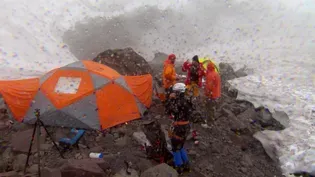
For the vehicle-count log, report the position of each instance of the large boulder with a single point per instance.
(249, 114)
(266, 120)
(269, 144)
(123, 173)
(82, 168)
(33, 169)
(282, 117)
(6, 159)
(227, 72)
(21, 140)
(158, 59)
(162, 170)
(10, 174)
(19, 162)
(125, 61)
(49, 172)
(241, 72)
(143, 164)
(157, 63)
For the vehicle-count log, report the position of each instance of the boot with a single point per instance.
(179, 170)
(186, 167)
(184, 156)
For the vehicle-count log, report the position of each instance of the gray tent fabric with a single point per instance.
(141, 107)
(45, 77)
(40, 102)
(99, 81)
(76, 65)
(123, 83)
(85, 111)
(60, 119)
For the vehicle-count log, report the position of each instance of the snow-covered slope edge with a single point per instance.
(295, 145)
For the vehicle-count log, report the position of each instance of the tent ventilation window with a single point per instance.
(68, 85)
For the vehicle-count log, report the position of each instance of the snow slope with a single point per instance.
(275, 38)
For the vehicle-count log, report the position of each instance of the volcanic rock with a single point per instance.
(162, 170)
(19, 162)
(21, 140)
(82, 168)
(125, 61)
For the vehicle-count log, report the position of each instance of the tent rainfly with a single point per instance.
(83, 94)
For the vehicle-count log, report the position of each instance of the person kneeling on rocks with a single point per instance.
(181, 109)
(212, 91)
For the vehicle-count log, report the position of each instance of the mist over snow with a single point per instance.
(275, 38)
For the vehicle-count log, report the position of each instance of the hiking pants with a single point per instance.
(178, 139)
(179, 135)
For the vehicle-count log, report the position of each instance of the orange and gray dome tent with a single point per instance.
(83, 94)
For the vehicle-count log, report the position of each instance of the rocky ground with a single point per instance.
(227, 148)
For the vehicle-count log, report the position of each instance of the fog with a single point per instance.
(275, 38)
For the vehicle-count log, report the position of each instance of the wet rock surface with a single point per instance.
(19, 162)
(21, 140)
(48, 172)
(227, 148)
(82, 168)
(162, 170)
(125, 61)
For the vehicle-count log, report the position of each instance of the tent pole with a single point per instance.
(30, 148)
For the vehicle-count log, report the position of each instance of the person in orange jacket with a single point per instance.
(212, 90)
(195, 72)
(169, 77)
(169, 73)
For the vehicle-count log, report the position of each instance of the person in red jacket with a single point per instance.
(195, 72)
(212, 90)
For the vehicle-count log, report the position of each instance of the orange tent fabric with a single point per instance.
(115, 105)
(83, 94)
(101, 69)
(142, 87)
(18, 95)
(61, 100)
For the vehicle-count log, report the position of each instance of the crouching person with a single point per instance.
(181, 110)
